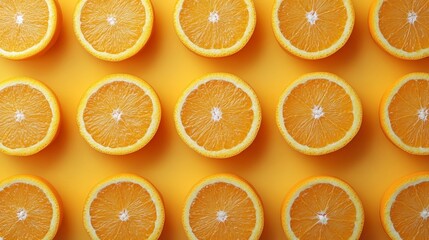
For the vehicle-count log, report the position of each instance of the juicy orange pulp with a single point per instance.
(116, 32)
(26, 212)
(233, 213)
(236, 116)
(306, 124)
(319, 203)
(127, 98)
(214, 24)
(409, 211)
(26, 120)
(404, 24)
(312, 25)
(131, 206)
(408, 113)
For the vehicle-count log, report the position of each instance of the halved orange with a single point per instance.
(319, 113)
(405, 207)
(30, 209)
(223, 206)
(119, 114)
(404, 113)
(113, 30)
(215, 28)
(322, 208)
(29, 116)
(401, 27)
(27, 27)
(124, 206)
(218, 115)
(313, 29)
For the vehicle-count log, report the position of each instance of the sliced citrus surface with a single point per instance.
(401, 27)
(218, 115)
(322, 208)
(312, 29)
(29, 209)
(29, 116)
(124, 206)
(225, 207)
(215, 28)
(405, 208)
(27, 27)
(113, 30)
(119, 114)
(404, 113)
(319, 113)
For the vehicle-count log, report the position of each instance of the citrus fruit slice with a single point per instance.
(225, 207)
(218, 115)
(29, 116)
(322, 208)
(113, 30)
(319, 113)
(312, 29)
(215, 28)
(27, 27)
(124, 206)
(404, 113)
(404, 208)
(29, 207)
(119, 114)
(401, 27)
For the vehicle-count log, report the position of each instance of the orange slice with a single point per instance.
(312, 29)
(404, 208)
(215, 28)
(29, 116)
(401, 27)
(404, 113)
(218, 115)
(124, 206)
(319, 113)
(29, 207)
(225, 207)
(322, 208)
(119, 114)
(113, 30)
(27, 27)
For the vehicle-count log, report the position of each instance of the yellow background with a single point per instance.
(369, 163)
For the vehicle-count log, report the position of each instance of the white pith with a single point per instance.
(214, 17)
(117, 115)
(317, 112)
(312, 17)
(22, 214)
(412, 17)
(221, 216)
(19, 18)
(19, 116)
(216, 114)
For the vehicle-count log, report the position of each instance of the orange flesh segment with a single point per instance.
(236, 119)
(408, 113)
(302, 105)
(118, 100)
(233, 201)
(323, 200)
(214, 24)
(25, 116)
(406, 211)
(112, 26)
(326, 30)
(394, 22)
(33, 16)
(123, 210)
(30, 204)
